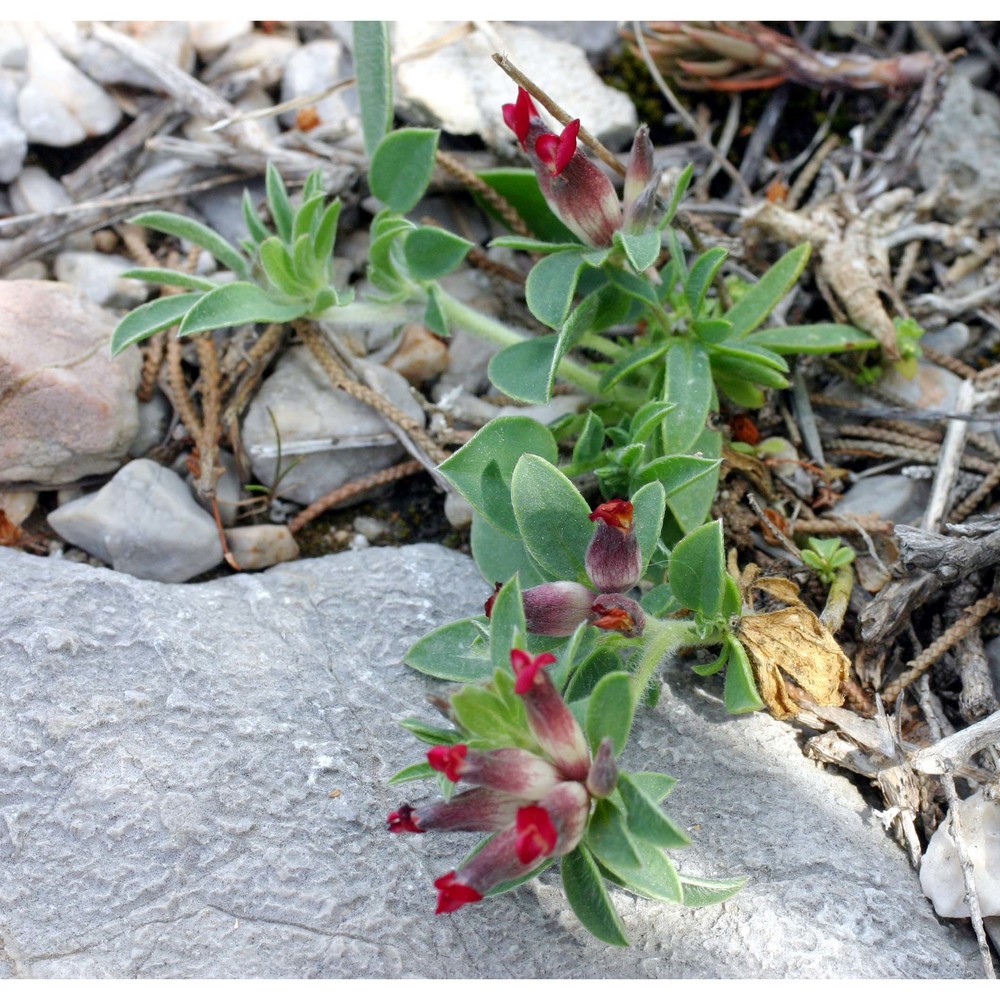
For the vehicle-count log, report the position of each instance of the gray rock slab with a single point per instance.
(194, 785)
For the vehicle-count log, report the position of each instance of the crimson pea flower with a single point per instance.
(613, 559)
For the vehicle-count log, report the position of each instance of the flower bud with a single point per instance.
(556, 608)
(618, 614)
(478, 810)
(603, 771)
(553, 725)
(613, 559)
(641, 184)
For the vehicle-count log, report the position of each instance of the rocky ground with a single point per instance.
(196, 770)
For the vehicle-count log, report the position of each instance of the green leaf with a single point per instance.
(530, 245)
(610, 711)
(278, 266)
(495, 719)
(414, 772)
(646, 820)
(740, 692)
(499, 556)
(648, 507)
(523, 371)
(708, 669)
(145, 320)
(434, 317)
(750, 371)
(601, 662)
(712, 331)
(481, 470)
(817, 338)
(657, 877)
(278, 203)
(648, 418)
(700, 278)
(642, 249)
(688, 385)
(373, 69)
(680, 189)
(590, 441)
(519, 187)
(700, 891)
(632, 362)
(653, 784)
(431, 734)
(507, 625)
(402, 166)
(257, 230)
(306, 216)
(326, 232)
(187, 229)
(756, 304)
(660, 601)
(164, 276)
(741, 392)
(675, 472)
(551, 284)
(635, 286)
(457, 652)
(432, 252)
(697, 569)
(589, 898)
(608, 837)
(552, 518)
(732, 601)
(692, 502)
(235, 304)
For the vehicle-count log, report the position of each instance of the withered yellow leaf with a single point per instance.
(793, 640)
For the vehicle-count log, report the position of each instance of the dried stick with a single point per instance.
(948, 462)
(948, 782)
(506, 210)
(973, 615)
(685, 115)
(400, 471)
(953, 751)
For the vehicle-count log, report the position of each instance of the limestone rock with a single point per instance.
(13, 140)
(99, 277)
(144, 522)
(257, 546)
(59, 105)
(311, 69)
(337, 438)
(69, 407)
(168, 39)
(460, 90)
(195, 785)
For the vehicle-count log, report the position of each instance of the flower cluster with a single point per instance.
(536, 804)
(577, 190)
(614, 565)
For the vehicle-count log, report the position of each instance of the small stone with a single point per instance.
(13, 47)
(154, 417)
(144, 522)
(168, 39)
(211, 37)
(36, 191)
(458, 511)
(222, 208)
(371, 527)
(940, 870)
(70, 409)
(976, 69)
(419, 356)
(59, 105)
(311, 69)
(257, 546)
(327, 437)
(18, 504)
(30, 270)
(13, 139)
(899, 499)
(265, 53)
(952, 339)
(98, 276)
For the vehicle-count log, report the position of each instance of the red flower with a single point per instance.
(618, 614)
(402, 820)
(449, 760)
(536, 834)
(556, 608)
(613, 559)
(453, 895)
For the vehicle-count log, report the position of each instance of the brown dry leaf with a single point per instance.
(794, 640)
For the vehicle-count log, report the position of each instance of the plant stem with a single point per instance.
(662, 638)
(595, 342)
(495, 332)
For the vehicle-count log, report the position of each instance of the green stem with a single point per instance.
(595, 342)
(495, 332)
(662, 638)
